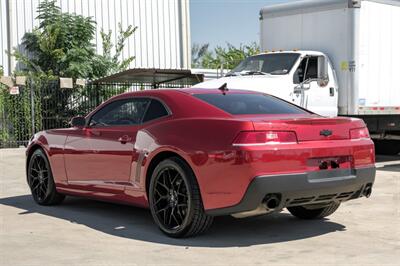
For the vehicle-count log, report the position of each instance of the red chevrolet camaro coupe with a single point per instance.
(192, 154)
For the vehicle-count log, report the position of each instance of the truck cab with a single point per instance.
(305, 78)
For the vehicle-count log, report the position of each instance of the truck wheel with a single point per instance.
(40, 180)
(175, 200)
(303, 212)
(387, 147)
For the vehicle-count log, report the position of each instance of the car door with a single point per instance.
(319, 98)
(102, 152)
(156, 112)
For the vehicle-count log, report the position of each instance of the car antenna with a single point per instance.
(224, 88)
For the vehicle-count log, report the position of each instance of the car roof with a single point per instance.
(190, 91)
(178, 100)
(216, 91)
(181, 101)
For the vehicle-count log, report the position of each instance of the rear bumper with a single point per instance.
(303, 188)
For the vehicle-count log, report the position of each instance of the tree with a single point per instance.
(62, 46)
(107, 63)
(198, 53)
(228, 57)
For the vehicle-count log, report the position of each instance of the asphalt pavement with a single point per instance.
(87, 232)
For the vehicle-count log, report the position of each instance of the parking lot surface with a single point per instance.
(86, 232)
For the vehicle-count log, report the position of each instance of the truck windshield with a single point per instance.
(264, 64)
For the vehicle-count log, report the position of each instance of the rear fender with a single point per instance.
(200, 142)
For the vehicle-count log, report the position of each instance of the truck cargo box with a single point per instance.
(361, 38)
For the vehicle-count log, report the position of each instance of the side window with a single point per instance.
(312, 68)
(120, 112)
(298, 76)
(155, 110)
(308, 69)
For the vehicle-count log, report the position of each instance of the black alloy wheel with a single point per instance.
(175, 201)
(171, 198)
(40, 180)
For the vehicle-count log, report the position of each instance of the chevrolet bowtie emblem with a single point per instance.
(325, 132)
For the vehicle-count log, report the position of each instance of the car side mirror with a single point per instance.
(78, 121)
(323, 77)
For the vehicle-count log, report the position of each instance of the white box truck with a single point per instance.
(333, 57)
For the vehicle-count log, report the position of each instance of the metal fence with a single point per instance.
(44, 105)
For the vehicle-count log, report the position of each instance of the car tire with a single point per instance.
(40, 180)
(303, 212)
(175, 200)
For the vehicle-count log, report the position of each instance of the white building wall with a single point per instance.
(3, 36)
(162, 39)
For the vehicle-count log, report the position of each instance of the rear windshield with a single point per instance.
(243, 104)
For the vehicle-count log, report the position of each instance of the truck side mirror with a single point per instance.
(78, 121)
(297, 89)
(323, 77)
(305, 85)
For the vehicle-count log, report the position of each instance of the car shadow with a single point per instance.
(135, 223)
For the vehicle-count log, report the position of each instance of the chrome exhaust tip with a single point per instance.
(271, 201)
(367, 190)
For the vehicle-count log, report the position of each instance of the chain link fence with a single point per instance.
(44, 105)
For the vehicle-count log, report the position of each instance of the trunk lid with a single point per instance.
(310, 128)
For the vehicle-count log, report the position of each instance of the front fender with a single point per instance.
(52, 143)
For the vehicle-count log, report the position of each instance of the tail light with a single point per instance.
(359, 133)
(254, 138)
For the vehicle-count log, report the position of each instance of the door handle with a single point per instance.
(331, 91)
(124, 139)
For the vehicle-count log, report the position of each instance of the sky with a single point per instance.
(220, 21)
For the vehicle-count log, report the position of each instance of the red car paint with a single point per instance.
(92, 162)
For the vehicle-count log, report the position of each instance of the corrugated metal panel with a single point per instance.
(379, 55)
(3, 40)
(3, 33)
(302, 7)
(161, 41)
